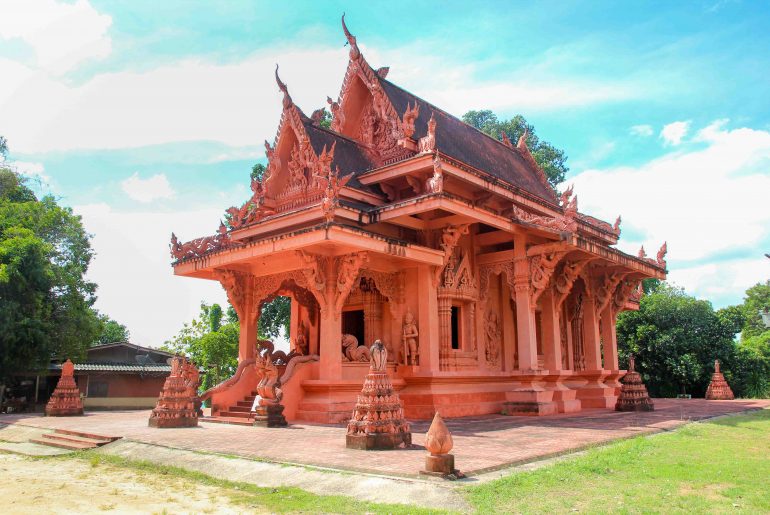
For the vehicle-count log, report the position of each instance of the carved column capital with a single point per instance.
(237, 286)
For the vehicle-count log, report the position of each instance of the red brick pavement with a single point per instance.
(481, 443)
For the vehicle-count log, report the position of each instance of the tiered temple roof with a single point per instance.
(378, 157)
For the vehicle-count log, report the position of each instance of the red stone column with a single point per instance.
(591, 339)
(551, 332)
(609, 339)
(248, 338)
(427, 298)
(331, 344)
(525, 315)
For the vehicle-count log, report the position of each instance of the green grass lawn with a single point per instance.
(717, 466)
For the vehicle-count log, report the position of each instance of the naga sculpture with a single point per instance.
(352, 351)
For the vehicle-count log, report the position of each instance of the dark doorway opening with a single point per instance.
(455, 327)
(353, 323)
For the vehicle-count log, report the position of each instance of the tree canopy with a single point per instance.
(110, 331)
(45, 301)
(676, 339)
(552, 160)
(211, 342)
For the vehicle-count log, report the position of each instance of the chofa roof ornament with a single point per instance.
(354, 51)
(287, 102)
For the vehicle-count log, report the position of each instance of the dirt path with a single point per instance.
(75, 486)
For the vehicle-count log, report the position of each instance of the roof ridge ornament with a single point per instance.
(616, 227)
(355, 53)
(661, 257)
(522, 143)
(428, 142)
(506, 141)
(287, 102)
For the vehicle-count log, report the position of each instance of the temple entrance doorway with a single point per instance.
(353, 323)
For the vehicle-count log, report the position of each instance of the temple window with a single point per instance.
(97, 389)
(456, 323)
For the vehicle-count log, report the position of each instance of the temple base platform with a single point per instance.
(378, 441)
(270, 415)
(64, 412)
(173, 422)
(439, 465)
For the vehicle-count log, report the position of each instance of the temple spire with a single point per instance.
(287, 102)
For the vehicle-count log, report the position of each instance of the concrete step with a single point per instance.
(227, 420)
(75, 439)
(74, 446)
(246, 404)
(240, 409)
(83, 434)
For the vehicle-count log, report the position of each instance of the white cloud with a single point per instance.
(703, 202)
(238, 103)
(641, 130)
(137, 285)
(673, 133)
(62, 35)
(147, 190)
(31, 169)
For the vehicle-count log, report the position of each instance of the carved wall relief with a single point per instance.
(410, 337)
(493, 339)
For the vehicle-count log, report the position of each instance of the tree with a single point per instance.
(676, 339)
(275, 317)
(757, 299)
(552, 160)
(111, 331)
(326, 119)
(45, 301)
(257, 171)
(215, 350)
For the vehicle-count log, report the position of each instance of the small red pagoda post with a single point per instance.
(438, 442)
(65, 400)
(378, 419)
(633, 393)
(718, 389)
(176, 404)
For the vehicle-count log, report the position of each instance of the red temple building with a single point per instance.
(401, 223)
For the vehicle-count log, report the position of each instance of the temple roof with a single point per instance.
(348, 154)
(465, 143)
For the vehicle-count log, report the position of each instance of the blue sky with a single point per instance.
(147, 116)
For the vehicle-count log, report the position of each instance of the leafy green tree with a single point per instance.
(676, 339)
(45, 302)
(275, 317)
(757, 299)
(552, 160)
(326, 119)
(257, 171)
(216, 350)
(111, 331)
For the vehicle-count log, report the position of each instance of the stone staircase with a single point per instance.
(240, 414)
(73, 440)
